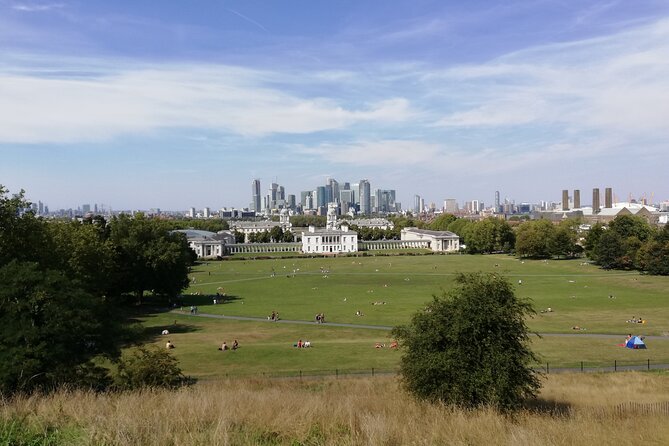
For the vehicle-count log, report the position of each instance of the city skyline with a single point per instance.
(182, 106)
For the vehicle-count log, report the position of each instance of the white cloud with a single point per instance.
(617, 83)
(37, 7)
(376, 153)
(47, 109)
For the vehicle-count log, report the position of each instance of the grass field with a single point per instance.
(298, 288)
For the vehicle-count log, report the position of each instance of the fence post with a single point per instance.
(548, 370)
(615, 365)
(648, 363)
(581, 366)
(337, 373)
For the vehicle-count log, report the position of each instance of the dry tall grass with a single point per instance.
(576, 409)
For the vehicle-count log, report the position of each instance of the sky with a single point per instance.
(139, 104)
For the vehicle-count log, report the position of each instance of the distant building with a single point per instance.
(329, 240)
(439, 241)
(206, 244)
(251, 227)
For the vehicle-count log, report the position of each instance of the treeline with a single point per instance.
(629, 242)
(64, 286)
(275, 235)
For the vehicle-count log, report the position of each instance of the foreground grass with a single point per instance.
(572, 409)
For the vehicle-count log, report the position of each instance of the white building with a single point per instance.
(329, 240)
(251, 227)
(372, 223)
(439, 241)
(206, 244)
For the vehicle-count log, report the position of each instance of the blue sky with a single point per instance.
(172, 104)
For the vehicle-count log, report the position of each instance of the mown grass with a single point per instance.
(579, 294)
(571, 409)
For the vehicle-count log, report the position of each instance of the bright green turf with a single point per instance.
(578, 294)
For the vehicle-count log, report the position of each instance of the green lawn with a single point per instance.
(298, 288)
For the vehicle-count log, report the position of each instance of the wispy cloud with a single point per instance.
(248, 19)
(37, 7)
(62, 108)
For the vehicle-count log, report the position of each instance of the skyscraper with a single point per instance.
(255, 195)
(608, 197)
(595, 200)
(565, 200)
(365, 197)
(416, 204)
(577, 199)
(497, 203)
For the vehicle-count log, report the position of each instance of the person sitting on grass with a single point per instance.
(169, 345)
(223, 347)
(235, 345)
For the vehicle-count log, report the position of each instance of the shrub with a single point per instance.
(470, 347)
(149, 367)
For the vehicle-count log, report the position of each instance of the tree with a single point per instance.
(50, 329)
(469, 347)
(653, 257)
(148, 367)
(534, 238)
(631, 226)
(489, 235)
(276, 234)
(441, 223)
(610, 250)
(150, 257)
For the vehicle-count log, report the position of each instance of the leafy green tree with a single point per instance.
(50, 329)
(148, 367)
(288, 237)
(441, 223)
(592, 240)
(240, 237)
(533, 239)
(470, 347)
(631, 226)
(489, 235)
(610, 250)
(276, 234)
(653, 257)
(150, 257)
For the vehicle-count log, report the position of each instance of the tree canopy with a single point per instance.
(470, 347)
(62, 287)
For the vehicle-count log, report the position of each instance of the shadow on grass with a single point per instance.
(205, 299)
(548, 407)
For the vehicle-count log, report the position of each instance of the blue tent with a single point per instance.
(635, 342)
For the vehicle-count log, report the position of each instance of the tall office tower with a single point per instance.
(595, 200)
(565, 200)
(450, 206)
(346, 186)
(577, 199)
(608, 197)
(86, 208)
(476, 207)
(191, 212)
(308, 202)
(416, 204)
(376, 201)
(365, 197)
(334, 187)
(281, 193)
(497, 203)
(290, 202)
(206, 212)
(255, 195)
(321, 197)
(348, 197)
(329, 198)
(303, 198)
